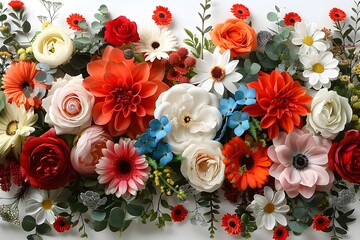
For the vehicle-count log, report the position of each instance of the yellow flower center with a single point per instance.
(318, 68)
(269, 208)
(47, 204)
(185, 119)
(308, 40)
(217, 73)
(12, 127)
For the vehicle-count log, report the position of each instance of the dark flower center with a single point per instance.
(25, 84)
(161, 15)
(76, 22)
(292, 20)
(174, 74)
(124, 98)
(232, 224)
(217, 73)
(155, 45)
(320, 221)
(178, 212)
(240, 12)
(279, 233)
(300, 161)
(124, 167)
(187, 119)
(337, 15)
(247, 161)
(62, 223)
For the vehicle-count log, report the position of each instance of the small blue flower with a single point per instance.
(145, 144)
(239, 121)
(227, 106)
(163, 153)
(159, 128)
(245, 96)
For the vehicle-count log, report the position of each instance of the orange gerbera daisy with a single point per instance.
(291, 18)
(73, 21)
(19, 76)
(280, 101)
(125, 92)
(162, 16)
(245, 166)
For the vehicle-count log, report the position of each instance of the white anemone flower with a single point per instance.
(269, 209)
(320, 69)
(41, 204)
(15, 125)
(216, 72)
(156, 42)
(309, 38)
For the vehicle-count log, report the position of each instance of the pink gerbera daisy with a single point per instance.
(122, 169)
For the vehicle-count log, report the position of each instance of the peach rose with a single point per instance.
(236, 35)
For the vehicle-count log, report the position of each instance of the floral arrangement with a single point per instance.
(105, 123)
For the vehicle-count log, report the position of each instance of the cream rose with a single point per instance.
(193, 113)
(53, 46)
(329, 114)
(87, 149)
(68, 105)
(203, 166)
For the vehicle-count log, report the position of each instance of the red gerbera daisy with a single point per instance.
(173, 75)
(280, 101)
(179, 213)
(16, 5)
(280, 233)
(60, 225)
(240, 11)
(291, 18)
(162, 16)
(231, 223)
(321, 222)
(337, 14)
(73, 21)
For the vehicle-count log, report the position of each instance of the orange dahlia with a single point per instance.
(280, 101)
(245, 166)
(19, 76)
(125, 92)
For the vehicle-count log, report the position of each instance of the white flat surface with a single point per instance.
(185, 16)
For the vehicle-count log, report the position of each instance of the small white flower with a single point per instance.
(320, 69)
(156, 42)
(269, 209)
(215, 72)
(41, 204)
(308, 38)
(15, 125)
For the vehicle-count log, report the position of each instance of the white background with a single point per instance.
(185, 16)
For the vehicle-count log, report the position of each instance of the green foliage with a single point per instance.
(117, 217)
(2, 100)
(34, 237)
(28, 223)
(210, 201)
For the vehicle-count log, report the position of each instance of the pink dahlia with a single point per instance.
(300, 163)
(122, 169)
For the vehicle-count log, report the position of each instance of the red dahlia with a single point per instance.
(321, 222)
(162, 16)
(60, 225)
(231, 223)
(291, 18)
(73, 21)
(280, 233)
(337, 14)
(240, 11)
(16, 5)
(179, 213)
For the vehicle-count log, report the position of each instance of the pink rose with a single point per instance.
(86, 151)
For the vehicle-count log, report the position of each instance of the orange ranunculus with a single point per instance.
(279, 101)
(125, 92)
(236, 35)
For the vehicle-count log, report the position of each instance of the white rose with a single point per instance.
(329, 114)
(68, 105)
(53, 46)
(203, 166)
(193, 113)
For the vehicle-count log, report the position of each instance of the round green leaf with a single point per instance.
(43, 228)
(272, 17)
(135, 209)
(28, 223)
(98, 215)
(117, 217)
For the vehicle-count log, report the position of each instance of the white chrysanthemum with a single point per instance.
(41, 204)
(215, 72)
(15, 125)
(156, 42)
(307, 36)
(269, 209)
(320, 69)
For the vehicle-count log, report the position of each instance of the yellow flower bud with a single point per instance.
(23, 57)
(351, 86)
(29, 50)
(356, 105)
(4, 28)
(20, 51)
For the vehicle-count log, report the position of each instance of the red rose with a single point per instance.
(344, 157)
(16, 4)
(121, 31)
(45, 161)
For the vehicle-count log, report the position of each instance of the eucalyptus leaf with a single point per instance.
(43, 228)
(117, 217)
(26, 27)
(103, 9)
(34, 237)
(98, 215)
(2, 100)
(297, 227)
(255, 68)
(135, 209)
(28, 223)
(272, 17)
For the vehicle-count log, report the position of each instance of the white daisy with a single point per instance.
(156, 42)
(269, 209)
(15, 125)
(320, 69)
(308, 38)
(215, 72)
(41, 204)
